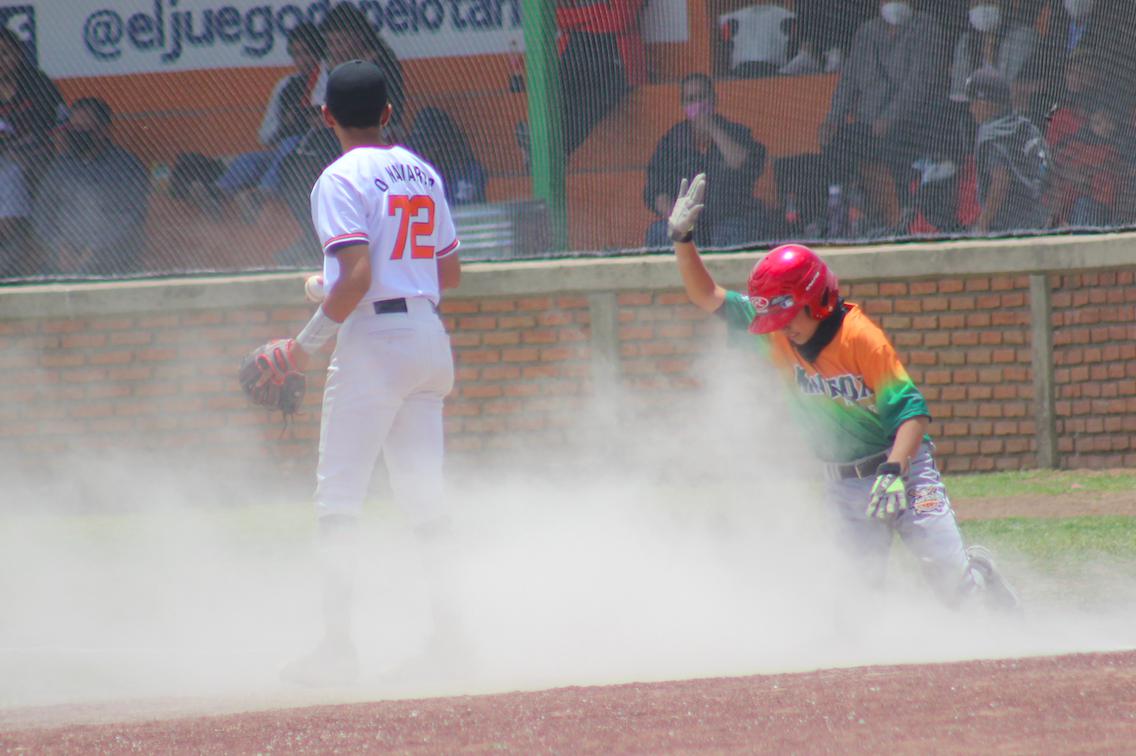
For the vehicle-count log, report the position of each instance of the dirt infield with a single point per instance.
(1082, 703)
(1071, 504)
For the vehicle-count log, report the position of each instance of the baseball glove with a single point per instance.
(270, 378)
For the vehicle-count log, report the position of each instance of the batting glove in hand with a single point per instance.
(270, 377)
(889, 494)
(688, 206)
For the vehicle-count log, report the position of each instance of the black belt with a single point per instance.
(865, 468)
(387, 306)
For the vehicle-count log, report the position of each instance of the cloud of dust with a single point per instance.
(682, 541)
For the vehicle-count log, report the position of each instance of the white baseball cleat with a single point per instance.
(331, 664)
(999, 594)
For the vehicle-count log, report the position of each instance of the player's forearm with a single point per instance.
(346, 294)
(995, 198)
(908, 439)
(449, 271)
(342, 299)
(733, 153)
(699, 284)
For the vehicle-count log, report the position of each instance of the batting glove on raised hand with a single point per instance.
(688, 206)
(889, 494)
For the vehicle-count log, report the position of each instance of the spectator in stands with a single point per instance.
(883, 110)
(437, 138)
(92, 202)
(292, 107)
(1012, 158)
(29, 103)
(1103, 26)
(705, 142)
(1081, 89)
(1091, 168)
(349, 35)
(602, 57)
(994, 39)
(14, 209)
(822, 33)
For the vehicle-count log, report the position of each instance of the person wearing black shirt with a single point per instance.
(1011, 155)
(705, 142)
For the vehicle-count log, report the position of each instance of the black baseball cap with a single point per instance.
(986, 84)
(357, 94)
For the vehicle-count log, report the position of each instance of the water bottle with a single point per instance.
(792, 214)
(516, 68)
(837, 215)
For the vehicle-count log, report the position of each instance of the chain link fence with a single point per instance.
(156, 137)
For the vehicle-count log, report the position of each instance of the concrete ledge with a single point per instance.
(584, 275)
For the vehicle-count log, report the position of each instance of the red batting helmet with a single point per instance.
(785, 280)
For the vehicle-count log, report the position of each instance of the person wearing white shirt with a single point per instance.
(390, 248)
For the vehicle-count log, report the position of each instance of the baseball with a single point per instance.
(313, 289)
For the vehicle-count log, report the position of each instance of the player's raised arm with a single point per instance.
(699, 284)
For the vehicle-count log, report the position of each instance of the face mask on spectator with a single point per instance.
(695, 110)
(1078, 9)
(83, 142)
(896, 14)
(985, 18)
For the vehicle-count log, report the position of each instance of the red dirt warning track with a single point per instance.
(1082, 703)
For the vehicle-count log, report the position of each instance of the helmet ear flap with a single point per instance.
(826, 303)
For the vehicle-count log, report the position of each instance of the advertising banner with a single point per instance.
(81, 38)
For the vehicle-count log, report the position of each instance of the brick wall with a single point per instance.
(149, 381)
(965, 342)
(526, 367)
(522, 366)
(1094, 341)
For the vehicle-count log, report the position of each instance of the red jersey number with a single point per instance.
(415, 220)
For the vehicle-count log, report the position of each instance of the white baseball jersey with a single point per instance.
(391, 200)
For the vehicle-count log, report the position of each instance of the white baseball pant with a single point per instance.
(388, 377)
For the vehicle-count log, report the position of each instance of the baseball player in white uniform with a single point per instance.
(389, 249)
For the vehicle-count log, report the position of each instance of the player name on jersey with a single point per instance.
(401, 173)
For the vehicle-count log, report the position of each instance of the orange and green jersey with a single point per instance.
(854, 397)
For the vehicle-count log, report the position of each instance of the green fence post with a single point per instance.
(547, 160)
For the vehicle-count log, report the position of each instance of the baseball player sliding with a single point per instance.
(389, 249)
(863, 414)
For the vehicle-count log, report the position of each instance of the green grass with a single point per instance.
(1068, 540)
(1043, 482)
(1082, 563)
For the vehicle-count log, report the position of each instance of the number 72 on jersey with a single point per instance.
(415, 214)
